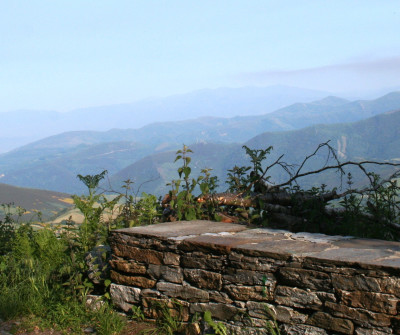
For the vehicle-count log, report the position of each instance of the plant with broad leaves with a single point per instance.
(183, 201)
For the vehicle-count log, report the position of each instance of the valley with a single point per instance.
(146, 155)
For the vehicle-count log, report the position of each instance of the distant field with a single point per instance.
(48, 203)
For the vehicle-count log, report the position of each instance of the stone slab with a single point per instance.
(182, 229)
(278, 244)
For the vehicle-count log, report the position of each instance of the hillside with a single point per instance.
(54, 162)
(47, 202)
(22, 127)
(363, 140)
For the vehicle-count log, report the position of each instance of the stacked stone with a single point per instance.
(236, 273)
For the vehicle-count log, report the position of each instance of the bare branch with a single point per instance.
(336, 167)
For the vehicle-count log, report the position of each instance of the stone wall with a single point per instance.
(315, 284)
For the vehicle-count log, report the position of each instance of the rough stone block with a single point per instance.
(203, 261)
(328, 322)
(246, 277)
(151, 293)
(178, 309)
(203, 279)
(220, 297)
(127, 266)
(218, 311)
(154, 271)
(246, 293)
(360, 317)
(302, 330)
(313, 287)
(136, 281)
(238, 330)
(92, 302)
(240, 261)
(376, 302)
(171, 259)
(124, 297)
(307, 279)
(146, 256)
(390, 285)
(324, 296)
(172, 274)
(204, 246)
(296, 297)
(355, 283)
(189, 293)
(367, 331)
(282, 313)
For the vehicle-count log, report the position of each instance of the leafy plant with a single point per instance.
(169, 318)
(218, 327)
(108, 321)
(137, 212)
(183, 200)
(271, 324)
(238, 178)
(137, 313)
(95, 207)
(7, 227)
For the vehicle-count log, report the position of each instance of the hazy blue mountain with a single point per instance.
(21, 127)
(331, 110)
(376, 138)
(235, 129)
(56, 169)
(54, 162)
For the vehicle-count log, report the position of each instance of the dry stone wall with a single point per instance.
(315, 284)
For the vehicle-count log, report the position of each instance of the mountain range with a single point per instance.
(376, 138)
(18, 128)
(147, 153)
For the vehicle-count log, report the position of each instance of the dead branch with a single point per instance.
(337, 167)
(281, 198)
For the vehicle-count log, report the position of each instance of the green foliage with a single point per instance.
(30, 271)
(137, 313)
(218, 327)
(94, 207)
(372, 212)
(137, 212)
(108, 322)
(238, 178)
(245, 179)
(271, 324)
(7, 228)
(242, 179)
(43, 272)
(184, 202)
(257, 156)
(169, 318)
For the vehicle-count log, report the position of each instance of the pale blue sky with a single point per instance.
(61, 55)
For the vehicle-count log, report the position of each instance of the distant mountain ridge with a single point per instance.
(362, 140)
(54, 162)
(22, 127)
(236, 129)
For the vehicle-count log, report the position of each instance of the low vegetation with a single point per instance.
(44, 272)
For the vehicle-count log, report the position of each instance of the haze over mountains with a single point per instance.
(376, 138)
(22, 127)
(147, 153)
